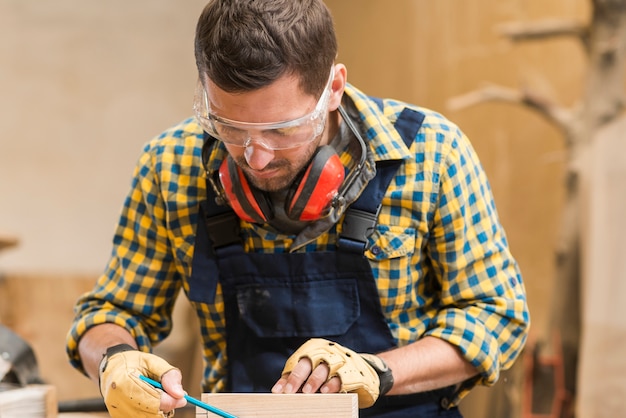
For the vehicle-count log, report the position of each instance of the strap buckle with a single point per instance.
(357, 226)
(223, 229)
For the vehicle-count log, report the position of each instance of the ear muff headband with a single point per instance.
(249, 203)
(309, 199)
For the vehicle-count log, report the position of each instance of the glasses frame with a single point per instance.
(207, 120)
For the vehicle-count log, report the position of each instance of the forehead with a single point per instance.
(281, 100)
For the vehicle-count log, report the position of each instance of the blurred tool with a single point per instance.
(18, 364)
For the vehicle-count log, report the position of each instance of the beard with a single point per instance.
(287, 169)
(285, 176)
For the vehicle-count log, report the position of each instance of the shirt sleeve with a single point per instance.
(137, 289)
(483, 301)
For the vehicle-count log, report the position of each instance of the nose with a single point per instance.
(257, 156)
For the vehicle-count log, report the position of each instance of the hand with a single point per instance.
(302, 376)
(328, 367)
(126, 395)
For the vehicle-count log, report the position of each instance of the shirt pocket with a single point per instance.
(392, 254)
(389, 242)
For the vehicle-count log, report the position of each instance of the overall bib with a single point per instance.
(275, 302)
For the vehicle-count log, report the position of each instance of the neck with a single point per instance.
(332, 127)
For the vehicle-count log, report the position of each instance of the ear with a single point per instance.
(338, 85)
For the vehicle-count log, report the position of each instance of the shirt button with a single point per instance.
(376, 250)
(445, 403)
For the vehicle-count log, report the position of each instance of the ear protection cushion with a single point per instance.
(249, 203)
(317, 187)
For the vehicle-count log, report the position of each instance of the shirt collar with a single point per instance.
(377, 126)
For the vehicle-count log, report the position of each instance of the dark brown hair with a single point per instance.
(243, 45)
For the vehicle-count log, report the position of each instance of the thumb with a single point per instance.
(172, 383)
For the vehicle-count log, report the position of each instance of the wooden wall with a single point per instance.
(39, 308)
(429, 52)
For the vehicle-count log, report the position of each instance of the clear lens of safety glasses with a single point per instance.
(274, 135)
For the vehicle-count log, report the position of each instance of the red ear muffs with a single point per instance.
(307, 200)
(249, 203)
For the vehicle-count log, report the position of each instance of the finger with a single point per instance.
(332, 386)
(173, 395)
(298, 376)
(172, 383)
(279, 385)
(168, 402)
(317, 378)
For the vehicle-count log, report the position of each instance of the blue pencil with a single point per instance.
(191, 400)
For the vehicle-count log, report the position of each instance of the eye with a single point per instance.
(289, 131)
(230, 131)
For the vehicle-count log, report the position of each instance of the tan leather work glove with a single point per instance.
(124, 393)
(364, 374)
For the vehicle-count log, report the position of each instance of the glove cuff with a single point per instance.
(115, 349)
(385, 376)
(118, 349)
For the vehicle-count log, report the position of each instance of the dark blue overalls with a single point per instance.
(275, 302)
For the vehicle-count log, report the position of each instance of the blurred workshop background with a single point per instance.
(84, 84)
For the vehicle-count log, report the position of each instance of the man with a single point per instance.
(306, 222)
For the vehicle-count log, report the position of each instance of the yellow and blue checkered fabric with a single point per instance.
(439, 254)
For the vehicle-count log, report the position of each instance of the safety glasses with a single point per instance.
(272, 135)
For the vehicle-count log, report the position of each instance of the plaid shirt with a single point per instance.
(439, 254)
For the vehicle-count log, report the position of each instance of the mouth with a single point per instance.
(263, 174)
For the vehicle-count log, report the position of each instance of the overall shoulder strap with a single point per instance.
(222, 224)
(217, 230)
(361, 217)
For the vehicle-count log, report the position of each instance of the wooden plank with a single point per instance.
(33, 401)
(258, 405)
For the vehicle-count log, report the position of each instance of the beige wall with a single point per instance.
(85, 83)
